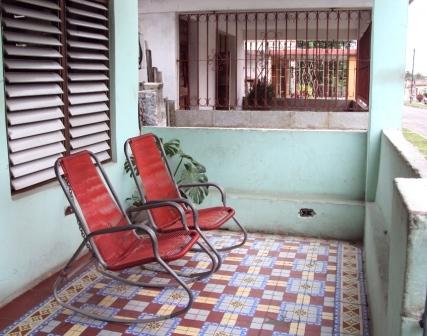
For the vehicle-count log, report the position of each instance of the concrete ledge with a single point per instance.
(336, 217)
(407, 151)
(413, 193)
(272, 119)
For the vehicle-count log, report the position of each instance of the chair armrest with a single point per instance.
(163, 203)
(207, 184)
(111, 230)
(192, 208)
(188, 204)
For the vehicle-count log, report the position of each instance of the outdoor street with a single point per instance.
(415, 119)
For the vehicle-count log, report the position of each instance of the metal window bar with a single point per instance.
(299, 60)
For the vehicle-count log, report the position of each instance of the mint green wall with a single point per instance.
(35, 236)
(386, 242)
(392, 165)
(271, 174)
(387, 79)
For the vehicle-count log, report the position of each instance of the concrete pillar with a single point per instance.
(389, 25)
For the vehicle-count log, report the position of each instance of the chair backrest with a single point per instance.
(155, 177)
(96, 205)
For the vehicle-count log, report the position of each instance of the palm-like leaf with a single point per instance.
(188, 170)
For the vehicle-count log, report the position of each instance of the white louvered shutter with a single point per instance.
(32, 44)
(88, 77)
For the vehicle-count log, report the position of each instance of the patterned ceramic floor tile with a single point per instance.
(274, 285)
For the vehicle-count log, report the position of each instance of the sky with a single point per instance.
(417, 37)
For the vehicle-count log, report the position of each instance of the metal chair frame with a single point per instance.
(101, 264)
(188, 204)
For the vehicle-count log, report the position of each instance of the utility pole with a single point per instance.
(412, 80)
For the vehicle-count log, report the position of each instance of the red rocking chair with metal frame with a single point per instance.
(156, 183)
(114, 242)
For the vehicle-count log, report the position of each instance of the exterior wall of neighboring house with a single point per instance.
(160, 25)
(36, 238)
(419, 87)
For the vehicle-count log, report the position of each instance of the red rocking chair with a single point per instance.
(155, 182)
(114, 242)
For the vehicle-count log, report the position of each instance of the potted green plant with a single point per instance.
(260, 96)
(185, 170)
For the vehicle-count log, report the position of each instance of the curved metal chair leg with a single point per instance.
(228, 248)
(63, 276)
(217, 255)
(245, 238)
(194, 276)
(142, 284)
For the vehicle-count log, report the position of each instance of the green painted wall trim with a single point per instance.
(387, 78)
(36, 238)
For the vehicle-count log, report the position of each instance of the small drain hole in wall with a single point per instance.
(305, 212)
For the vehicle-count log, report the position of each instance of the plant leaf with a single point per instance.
(172, 147)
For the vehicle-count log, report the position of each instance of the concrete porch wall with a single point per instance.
(269, 175)
(394, 236)
(271, 119)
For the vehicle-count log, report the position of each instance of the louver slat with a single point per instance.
(86, 45)
(96, 148)
(86, 130)
(22, 131)
(88, 119)
(92, 36)
(41, 3)
(18, 118)
(41, 15)
(87, 66)
(88, 108)
(81, 77)
(87, 56)
(88, 140)
(34, 166)
(87, 13)
(19, 104)
(36, 153)
(82, 23)
(103, 156)
(87, 87)
(25, 90)
(31, 65)
(87, 98)
(32, 77)
(31, 25)
(31, 52)
(32, 39)
(35, 141)
(90, 4)
(33, 179)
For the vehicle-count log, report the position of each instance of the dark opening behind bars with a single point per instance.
(285, 60)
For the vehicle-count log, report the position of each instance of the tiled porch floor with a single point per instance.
(274, 285)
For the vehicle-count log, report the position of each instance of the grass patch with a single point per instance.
(417, 105)
(417, 140)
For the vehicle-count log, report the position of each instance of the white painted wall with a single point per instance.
(160, 30)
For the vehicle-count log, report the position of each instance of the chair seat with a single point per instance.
(209, 219)
(171, 246)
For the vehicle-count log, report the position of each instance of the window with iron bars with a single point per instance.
(283, 60)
